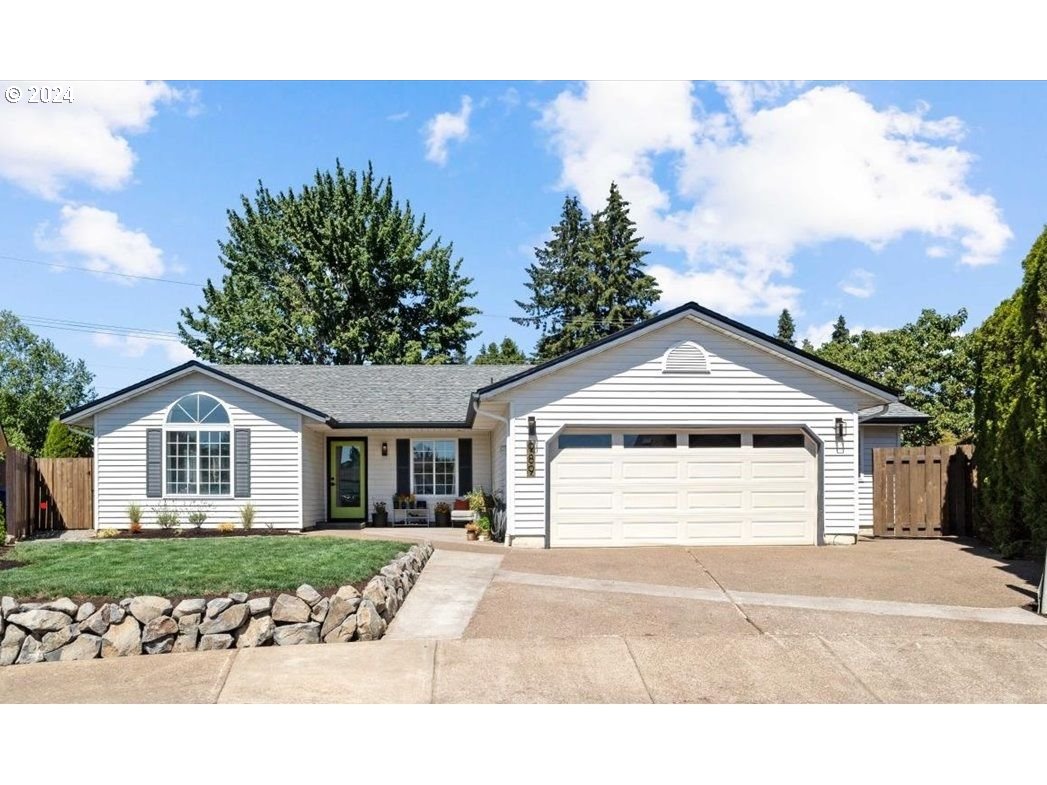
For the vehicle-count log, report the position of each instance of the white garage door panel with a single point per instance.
(707, 496)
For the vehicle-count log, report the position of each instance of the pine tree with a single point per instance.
(786, 327)
(840, 332)
(807, 346)
(589, 279)
(507, 353)
(61, 442)
(338, 273)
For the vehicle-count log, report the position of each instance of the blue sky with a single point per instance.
(869, 199)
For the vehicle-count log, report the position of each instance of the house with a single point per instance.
(689, 428)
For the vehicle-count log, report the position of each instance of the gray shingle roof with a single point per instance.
(894, 413)
(373, 394)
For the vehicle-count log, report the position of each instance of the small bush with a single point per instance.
(106, 534)
(135, 527)
(226, 528)
(247, 514)
(166, 517)
(134, 512)
(197, 519)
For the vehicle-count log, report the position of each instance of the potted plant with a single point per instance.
(381, 516)
(404, 501)
(483, 528)
(442, 514)
(471, 531)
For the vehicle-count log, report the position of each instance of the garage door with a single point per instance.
(683, 488)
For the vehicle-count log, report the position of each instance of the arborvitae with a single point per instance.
(786, 327)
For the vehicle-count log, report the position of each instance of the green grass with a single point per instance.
(177, 568)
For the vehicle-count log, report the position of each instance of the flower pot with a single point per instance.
(380, 518)
(484, 536)
(442, 518)
(470, 535)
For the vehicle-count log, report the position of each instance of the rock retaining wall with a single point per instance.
(63, 630)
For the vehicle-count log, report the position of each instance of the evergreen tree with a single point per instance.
(786, 327)
(338, 273)
(589, 279)
(807, 346)
(61, 442)
(508, 353)
(840, 332)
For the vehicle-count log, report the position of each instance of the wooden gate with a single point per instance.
(47, 494)
(923, 491)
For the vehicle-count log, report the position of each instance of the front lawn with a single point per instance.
(182, 568)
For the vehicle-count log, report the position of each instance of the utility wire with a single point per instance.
(99, 272)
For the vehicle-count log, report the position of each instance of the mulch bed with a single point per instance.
(192, 534)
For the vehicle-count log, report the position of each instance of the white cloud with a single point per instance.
(46, 147)
(397, 116)
(937, 251)
(818, 334)
(778, 171)
(104, 244)
(859, 283)
(728, 290)
(447, 127)
(137, 346)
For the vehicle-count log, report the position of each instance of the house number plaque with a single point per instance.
(530, 457)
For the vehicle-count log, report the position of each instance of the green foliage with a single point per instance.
(61, 442)
(166, 517)
(928, 360)
(588, 281)
(37, 384)
(506, 353)
(1010, 350)
(247, 516)
(134, 512)
(338, 273)
(3, 525)
(786, 327)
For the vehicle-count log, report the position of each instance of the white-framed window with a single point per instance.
(434, 467)
(198, 450)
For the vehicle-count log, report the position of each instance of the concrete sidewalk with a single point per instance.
(612, 669)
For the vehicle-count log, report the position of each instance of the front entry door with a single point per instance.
(347, 481)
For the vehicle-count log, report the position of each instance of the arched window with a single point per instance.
(686, 357)
(198, 447)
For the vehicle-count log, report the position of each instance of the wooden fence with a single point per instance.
(923, 491)
(47, 494)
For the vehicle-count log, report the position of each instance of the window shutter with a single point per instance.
(403, 466)
(154, 463)
(465, 466)
(242, 470)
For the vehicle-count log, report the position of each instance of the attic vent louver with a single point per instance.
(686, 357)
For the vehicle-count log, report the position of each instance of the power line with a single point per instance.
(99, 272)
(105, 329)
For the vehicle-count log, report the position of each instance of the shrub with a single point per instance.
(106, 534)
(166, 517)
(134, 512)
(135, 527)
(196, 518)
(3, 522)
(61, 442)
(226, 527)
(247, 514)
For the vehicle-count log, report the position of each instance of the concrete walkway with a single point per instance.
(442, 603)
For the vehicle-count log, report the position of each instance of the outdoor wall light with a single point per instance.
(839, 428)
(532, 428)
(385, 449)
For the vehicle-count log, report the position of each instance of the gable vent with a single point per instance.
(685, 358)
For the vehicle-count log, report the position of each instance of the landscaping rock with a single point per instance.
(85, 647)
(227, 621)
(59, 638)
(123, 639)
(221, 640)
(62, 605)
(342, 606)
(125, 603)
(186, 641)
(320, 610)
(217, 605)
(348, 593)
(86, 610)
(259, 632)
(32, 651)
(260, 605)
(11, 644)
(344, 632)
(161, 646)
(25, 607)
(238, 596)
(309, 594)
(117, 613)
(186, 623)
(374, 591)
(8, 605)
(370, 626)
(189, 607)
(160, 627)
(98, 622)
(147, 608)
(294, 634)
(291, 609)
(40, 620)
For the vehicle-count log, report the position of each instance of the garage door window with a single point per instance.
(714, 440)
(778, 440)
(577, 440)
(649, 440)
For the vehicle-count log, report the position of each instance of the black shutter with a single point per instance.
(154, 463)
(403, 466)
(465, 466)
(242, 456)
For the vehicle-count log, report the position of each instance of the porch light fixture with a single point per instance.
(532, 428)
(839, 428)
(385, 449)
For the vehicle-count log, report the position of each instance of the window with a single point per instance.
(198, 449)
(569, 440)
(714, 440)
(761, 440)
(434, 467)
(649, 440)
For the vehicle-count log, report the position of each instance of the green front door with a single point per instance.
(347, 480)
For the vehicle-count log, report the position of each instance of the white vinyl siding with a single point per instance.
(624, 385)
(121, 466)
(872, 436)
(314, 476)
